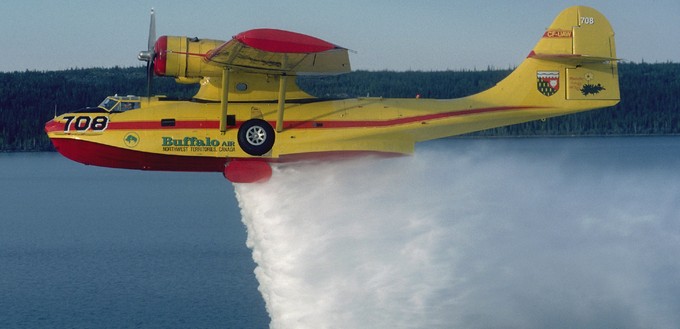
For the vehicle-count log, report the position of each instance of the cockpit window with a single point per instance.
(120, 103)
(109, 104)
(126, 106)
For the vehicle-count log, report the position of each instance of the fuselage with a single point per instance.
(160, 134)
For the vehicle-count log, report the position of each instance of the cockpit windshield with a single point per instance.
(120, 103)
(108, 104)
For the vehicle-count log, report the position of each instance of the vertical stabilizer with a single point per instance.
(573, 66)
(582, 39)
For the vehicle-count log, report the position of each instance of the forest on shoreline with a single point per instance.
(650, 98)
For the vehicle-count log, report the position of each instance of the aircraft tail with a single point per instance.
(572, 68)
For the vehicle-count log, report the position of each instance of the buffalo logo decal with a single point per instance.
(131, 139)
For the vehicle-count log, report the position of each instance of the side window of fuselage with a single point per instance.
(127, 106)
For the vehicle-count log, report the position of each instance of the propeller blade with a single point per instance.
(150, 54)
(152, 31)
(149, 78)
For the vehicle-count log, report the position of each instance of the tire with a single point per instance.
(256, 137)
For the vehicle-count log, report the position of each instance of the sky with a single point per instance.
(383, 34)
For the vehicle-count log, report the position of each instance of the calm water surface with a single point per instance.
(88, 247)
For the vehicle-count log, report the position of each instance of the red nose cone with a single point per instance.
(53, 125)
(161, 49)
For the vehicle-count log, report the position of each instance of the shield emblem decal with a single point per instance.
(548, 82)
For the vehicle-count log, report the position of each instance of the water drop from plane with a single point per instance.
(467, 234)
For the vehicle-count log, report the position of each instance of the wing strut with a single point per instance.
(282, 102)
(282, 96)
(224, 100)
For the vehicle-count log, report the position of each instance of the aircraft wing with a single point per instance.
(274, 51)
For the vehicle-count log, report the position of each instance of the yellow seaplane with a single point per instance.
(249, 111)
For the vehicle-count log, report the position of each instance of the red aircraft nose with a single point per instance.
(53, 125)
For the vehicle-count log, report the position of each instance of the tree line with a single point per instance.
(650, 101)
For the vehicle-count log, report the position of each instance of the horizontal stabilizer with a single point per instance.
(572, 58)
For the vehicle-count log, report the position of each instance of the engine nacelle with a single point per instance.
(182, 57)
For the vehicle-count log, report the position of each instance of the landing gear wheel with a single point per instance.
(256, 137)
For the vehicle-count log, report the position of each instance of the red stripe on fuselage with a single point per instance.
(132, 125)
(205, 124)
(399, 121)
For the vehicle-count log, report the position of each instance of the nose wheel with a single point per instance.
(256, 137)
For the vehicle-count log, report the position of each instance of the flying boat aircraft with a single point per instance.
(249, 111)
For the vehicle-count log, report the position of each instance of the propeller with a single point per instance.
(149, 55)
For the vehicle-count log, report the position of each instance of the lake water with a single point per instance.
(474, 233)
(89, 247)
